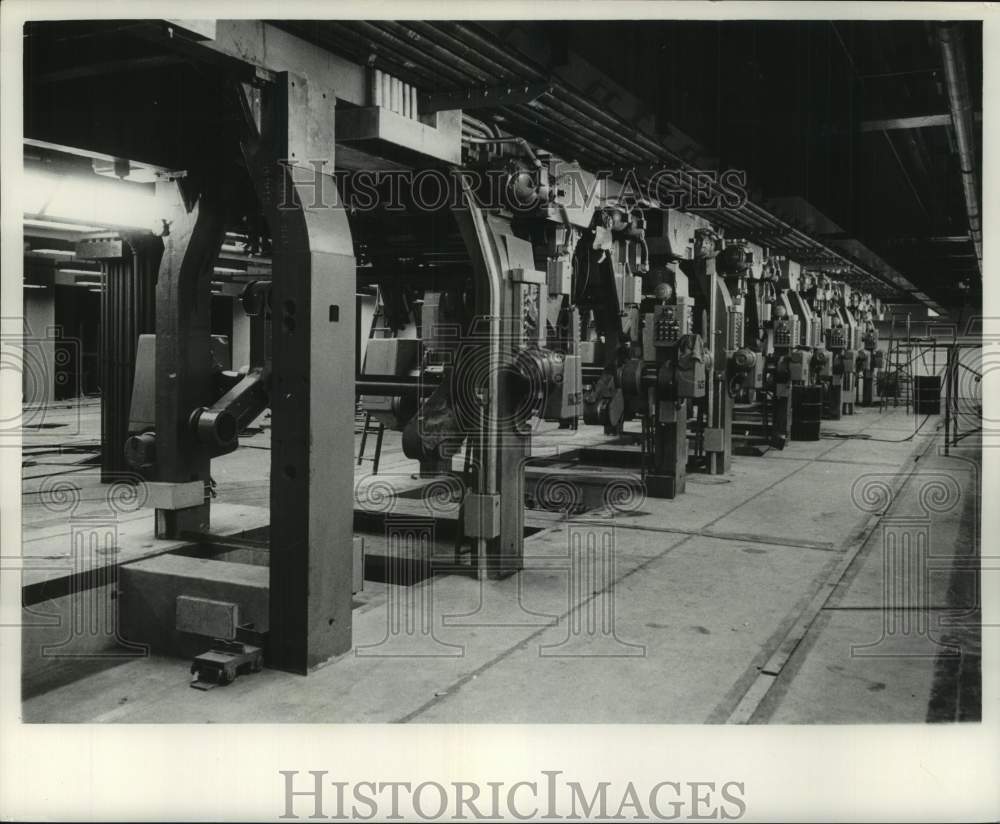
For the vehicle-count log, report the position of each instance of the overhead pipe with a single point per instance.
(957, 83)
(595, 118)
(469, 65)
(493, 61)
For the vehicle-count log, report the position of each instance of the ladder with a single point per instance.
(896, 380)
(364, 426)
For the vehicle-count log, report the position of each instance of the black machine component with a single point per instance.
(226, 659)
(783, 329)
(655, 362)
(243, 396)
(658, 386)
(836, 343)
(736, 259)
(218, 426)
(870, 362)
(666, 327)
(734, 328)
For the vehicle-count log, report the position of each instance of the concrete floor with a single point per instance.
(760, 596)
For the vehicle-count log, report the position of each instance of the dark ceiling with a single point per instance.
(792, 103)
(786, 101)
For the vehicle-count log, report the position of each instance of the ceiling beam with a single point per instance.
(915, 122)
(133, 64)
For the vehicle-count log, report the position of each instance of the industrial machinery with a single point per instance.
(612, 257)
(490, 303)
(678, 356)
(499, 351)
(844, 342)
(852, 306)
(809, 303)
(722, 274)
(392, 349)
(824, 300)
(786, 363)
(771, 336)
(742, 264)
(870, 359)
(848, 319)
(657, 368)
(660, 376)
(241, 397)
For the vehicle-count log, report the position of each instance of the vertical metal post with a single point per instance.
(668, 477)
(912, 389)
(183, 329)
(720, 412)
(504, 450)
(954, 392)
(127, 311)
(947, 398)
(312, 406)
(896, 367)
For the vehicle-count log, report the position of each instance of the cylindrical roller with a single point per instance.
(215, 428)
(744, 360)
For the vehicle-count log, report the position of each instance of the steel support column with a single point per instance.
(183, 329)
(312, 408)
(504, 448)
(720, 406)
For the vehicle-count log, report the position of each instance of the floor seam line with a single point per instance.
(756, 495)
(768, 540)
(521, 644)
(524, 642)
(865, 535)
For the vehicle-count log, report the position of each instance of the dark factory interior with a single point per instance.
(662, 397)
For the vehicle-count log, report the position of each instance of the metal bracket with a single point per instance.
(527, 276)
(483, 97)
(166, 495)
(104, 246)
(482, 515)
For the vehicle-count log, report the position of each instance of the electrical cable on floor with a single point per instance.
(83, 446)
(84, 464)
(52, 475)
(957, 438)
(29, 459)
(861, 436)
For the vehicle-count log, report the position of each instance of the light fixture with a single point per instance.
(90, 199)
(58, 226)
(52, 252)
(80, 271)
(34, 286)
(120, 169)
